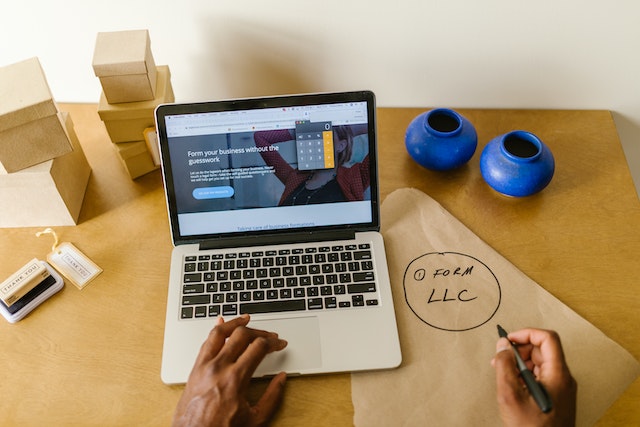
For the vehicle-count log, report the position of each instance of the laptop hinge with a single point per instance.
(273, 239)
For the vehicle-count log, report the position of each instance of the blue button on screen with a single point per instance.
(204, 193)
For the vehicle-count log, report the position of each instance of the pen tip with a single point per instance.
(501, 331)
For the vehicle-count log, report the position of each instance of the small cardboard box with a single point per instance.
(30, 129)
(47, 194)
(127, 122)
(124, 63)
(136, 158)
(153, 145)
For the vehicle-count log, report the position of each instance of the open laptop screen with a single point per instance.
(253, 166)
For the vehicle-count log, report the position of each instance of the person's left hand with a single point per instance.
(216, 391)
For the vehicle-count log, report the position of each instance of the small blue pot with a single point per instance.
(441, 139)
(517, 164)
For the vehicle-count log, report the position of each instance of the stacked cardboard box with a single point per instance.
(132, 87)
(43, 170)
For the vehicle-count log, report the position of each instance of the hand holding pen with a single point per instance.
(541, 354)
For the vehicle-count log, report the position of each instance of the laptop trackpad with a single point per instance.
(301, 354)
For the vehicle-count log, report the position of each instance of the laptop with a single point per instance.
(274, 211)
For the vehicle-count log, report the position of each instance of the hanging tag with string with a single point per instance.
(70, 261)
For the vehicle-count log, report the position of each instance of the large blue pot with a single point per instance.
(441, 139)
(517, 164)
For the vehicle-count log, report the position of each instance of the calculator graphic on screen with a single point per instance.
(314, 144)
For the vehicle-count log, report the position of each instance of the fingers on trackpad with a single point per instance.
(303, 352)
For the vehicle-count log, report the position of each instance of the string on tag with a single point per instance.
(70, 261)
(55, 237)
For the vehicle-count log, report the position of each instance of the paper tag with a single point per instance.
(73, 264)
(70, 261)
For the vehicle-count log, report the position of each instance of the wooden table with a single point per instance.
(92, 357)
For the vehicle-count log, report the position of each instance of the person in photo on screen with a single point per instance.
(344, 182)
(216, 393)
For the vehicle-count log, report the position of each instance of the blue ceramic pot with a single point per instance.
(517, 164)
(441, 139)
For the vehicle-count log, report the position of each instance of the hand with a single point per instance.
(542, 352)
(216, 391)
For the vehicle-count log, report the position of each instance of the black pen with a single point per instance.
(535, 388)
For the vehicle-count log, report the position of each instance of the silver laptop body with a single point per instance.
(274, 211)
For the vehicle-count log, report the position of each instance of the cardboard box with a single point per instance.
(124, 63)
(127, 122)
(30, 129)
(47, 194)
(153, 145)
(136, 158)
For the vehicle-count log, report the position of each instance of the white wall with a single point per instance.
(455, 53)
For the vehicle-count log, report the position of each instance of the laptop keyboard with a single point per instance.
(285, 280)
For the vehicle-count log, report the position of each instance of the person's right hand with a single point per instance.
(542, 352)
